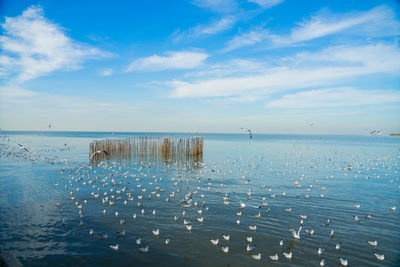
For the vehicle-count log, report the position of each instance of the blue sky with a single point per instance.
(274, 66)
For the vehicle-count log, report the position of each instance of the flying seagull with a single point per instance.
(98, 152)
(250, 135)
(24, 148)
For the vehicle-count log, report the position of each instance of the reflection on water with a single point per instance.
(309, 175)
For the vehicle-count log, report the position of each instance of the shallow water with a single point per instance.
(31, 223)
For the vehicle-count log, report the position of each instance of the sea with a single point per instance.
(57, 208)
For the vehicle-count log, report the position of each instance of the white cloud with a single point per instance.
(34, 46)
(16, 94)
(246, 39)
(47, 102)
(172, 60)
(377, 22)
(222, 6)
(334, 97)
(304, 71)
(215, 27)
(266, 3)
(106, 72)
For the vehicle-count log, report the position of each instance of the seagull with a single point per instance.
(225, 249)
(243, 205)
(257, 257)
(167, 241)
(98, 152)
(343, 262)
(337, 246)
(91, 232)
(320, 251)
(274, 257)
(201, 219)
(187, 203)
(322, 263)
(115, 248)
(281, 243)
(296, 235)
(253, 228)
(156, 232)
(249, 239)
(214, 242)
(121, 234)
(310, 232)
(379, 257)
(288, 255)
(24, 148)
(144, 249)
(249, 131)
(373, 243)
(138, 241)
(103, 236)
(331, 234)
(357, 206)
(250, 248)
(357, 219)
(226, 237)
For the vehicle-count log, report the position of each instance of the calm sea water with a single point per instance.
(322, 177)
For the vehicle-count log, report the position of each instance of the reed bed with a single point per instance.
(148, 148)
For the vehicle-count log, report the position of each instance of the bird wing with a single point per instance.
(292, 231)
(241, 202)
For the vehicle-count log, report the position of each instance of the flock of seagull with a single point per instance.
(111, 187)
(190, 193)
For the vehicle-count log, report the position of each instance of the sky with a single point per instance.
(273, 66)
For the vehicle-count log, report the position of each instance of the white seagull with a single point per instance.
(115, 248)
(274, 257)
(288, 255)
(296, 235)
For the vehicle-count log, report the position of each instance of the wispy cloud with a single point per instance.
(33, 46)
(246, 39)
(334, 97)
(172, 60)
(48, 102)
(377, 22)
(266, 3)
(106, 72)
(302, 72)
(204, 30)
(221, 6)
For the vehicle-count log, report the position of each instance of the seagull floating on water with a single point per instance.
(115, 248)
(288, 255)
(379, 257)
(343, 262)
(274, 257)
(225, 249)
(214, 241)
(373, 243)
(226, 237)
(257, 256)
(144, 249)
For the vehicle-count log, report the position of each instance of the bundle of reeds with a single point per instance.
(153, 148)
